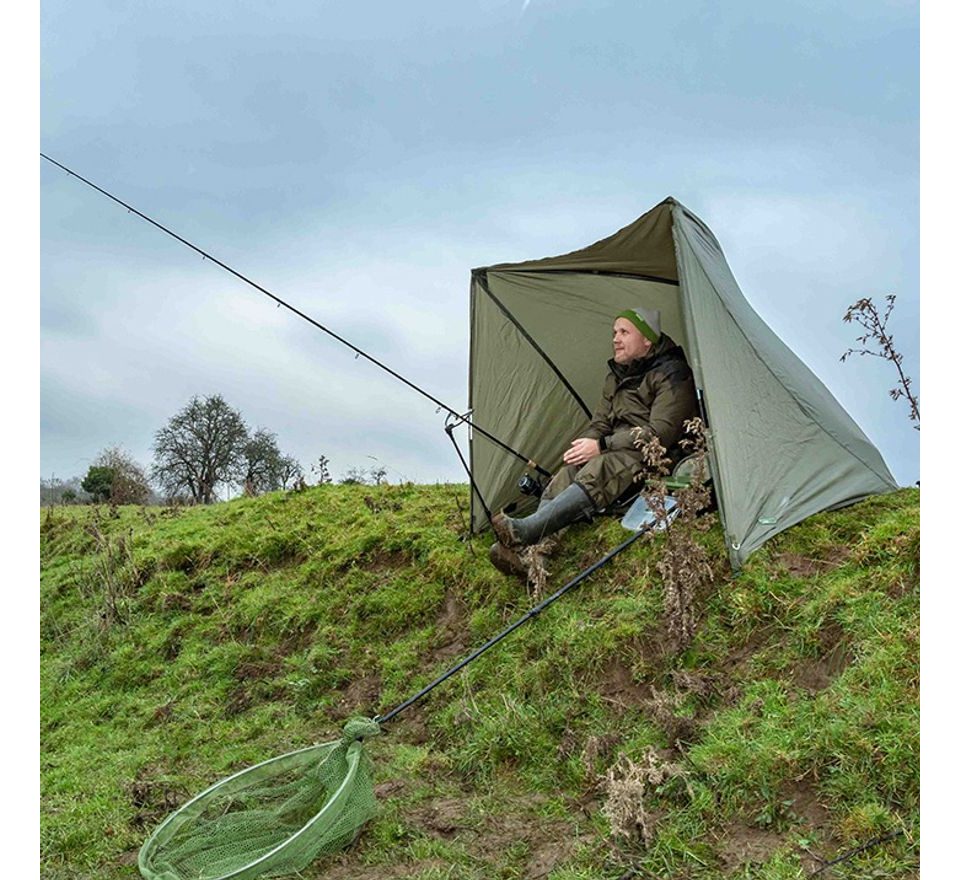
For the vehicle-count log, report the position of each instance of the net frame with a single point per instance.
(151, 862)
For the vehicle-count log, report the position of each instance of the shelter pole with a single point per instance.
(473, 485)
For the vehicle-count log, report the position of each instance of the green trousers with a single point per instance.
(604, 478)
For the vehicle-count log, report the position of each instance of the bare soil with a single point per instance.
(153, 799)
(807, 567)
(361, 696)
(817, 673)
(743, 844)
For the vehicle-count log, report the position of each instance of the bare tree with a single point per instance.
(866, 314)
(199, 449)
(289, 472)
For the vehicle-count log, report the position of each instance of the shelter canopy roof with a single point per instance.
(643, 248)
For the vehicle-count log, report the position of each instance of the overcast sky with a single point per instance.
(359, 159)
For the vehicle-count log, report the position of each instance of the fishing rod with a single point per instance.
(280, 302)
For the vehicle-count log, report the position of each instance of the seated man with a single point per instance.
(650, 386)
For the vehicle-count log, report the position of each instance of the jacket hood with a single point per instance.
(664, 349)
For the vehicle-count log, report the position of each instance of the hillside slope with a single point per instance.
(179, 645)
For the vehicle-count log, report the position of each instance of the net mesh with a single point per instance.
(271, 819)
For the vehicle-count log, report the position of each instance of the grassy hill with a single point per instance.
(180, 645)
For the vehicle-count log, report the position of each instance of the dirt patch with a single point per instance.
(834, 656)
(443, 817)
(411, 726)
(806, 807)
(617, 686)
(740, 657)
(678, 729)
(176, 602)
(161, 714)
(902, 587)
(805, 804)
(128, 859)
(388, 788)
(253, 683)
(361, 695)
(807, 567)
(256, 670)
(548, 842)
(296, 642)
(547, 856)
(152, 799)
(745, 845)
(347, 869)
(240, 700)
(171, 647)
(451, 632)
(542, 836)
(386, 560)
(594, 751)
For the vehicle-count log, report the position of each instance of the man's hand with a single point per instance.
(581, 451)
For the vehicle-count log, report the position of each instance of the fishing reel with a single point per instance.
(530, 486)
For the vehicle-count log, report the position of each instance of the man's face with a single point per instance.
(628, 342)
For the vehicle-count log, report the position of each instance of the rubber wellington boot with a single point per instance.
(571, 505)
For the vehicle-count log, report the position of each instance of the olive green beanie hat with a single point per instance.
(647, 321)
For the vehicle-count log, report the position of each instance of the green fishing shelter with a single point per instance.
(781, 447)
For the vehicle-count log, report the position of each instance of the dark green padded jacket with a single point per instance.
(655, 393)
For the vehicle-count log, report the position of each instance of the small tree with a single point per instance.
(289, 472)
(54, 490)
(867, 315)
(354, 477)
(98, 483)
(262, 458)
(267, 469)
(321, 470)
(114, 476)
(200, 448)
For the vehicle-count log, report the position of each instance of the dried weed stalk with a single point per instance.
(597, 749)
(628, 785)
(684, 565)
(115, 576)
(534, 557)
(866, 314)
(666, 711)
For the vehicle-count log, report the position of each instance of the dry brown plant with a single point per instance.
(865, 313)
(666, 711)
(628, 785)
(596, 749)
(684, 564)
(535, 557)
